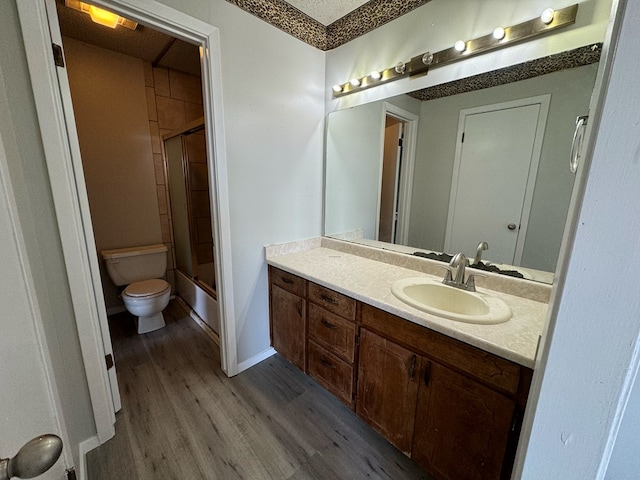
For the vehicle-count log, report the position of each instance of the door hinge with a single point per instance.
(58, 56)
(515, 421)
(71, 474)
(109, 361)
(357, 340)
(400, 142)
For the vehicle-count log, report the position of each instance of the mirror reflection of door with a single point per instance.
(391, 171)
(495, 167)
(190, 204)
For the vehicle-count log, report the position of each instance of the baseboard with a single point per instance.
(85, 447)
(242, 366)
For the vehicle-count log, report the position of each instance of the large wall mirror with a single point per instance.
(446, 174)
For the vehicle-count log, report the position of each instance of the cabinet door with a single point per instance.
(388, 388)
(288, 319)
(462, 427)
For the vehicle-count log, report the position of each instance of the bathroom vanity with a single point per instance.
(448, 394)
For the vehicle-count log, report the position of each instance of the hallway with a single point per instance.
(182, 418)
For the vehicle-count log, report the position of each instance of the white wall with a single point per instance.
(437, 25)
(273, 90)
(352, 172)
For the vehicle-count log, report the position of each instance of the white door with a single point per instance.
(27, 400)
(494, 175)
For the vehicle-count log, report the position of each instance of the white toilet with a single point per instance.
(146, 294)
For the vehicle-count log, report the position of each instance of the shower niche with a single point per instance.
(189, 197)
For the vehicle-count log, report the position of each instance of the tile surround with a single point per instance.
(173, 99)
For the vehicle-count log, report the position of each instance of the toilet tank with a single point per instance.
(133, 264)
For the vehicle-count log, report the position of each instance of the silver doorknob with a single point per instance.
(34, 458)
(512, 226)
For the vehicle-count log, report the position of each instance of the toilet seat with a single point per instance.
(146, 289)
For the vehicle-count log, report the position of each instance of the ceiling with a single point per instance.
(143, 42)
(326, 11)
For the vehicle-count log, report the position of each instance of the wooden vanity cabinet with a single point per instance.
(468, 403)
(454, 408)
(288, 316)
(388, 381)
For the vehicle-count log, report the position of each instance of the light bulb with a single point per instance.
(427, 58)
(460, 46)
(498, 33)
(547, 16)
(337, 88)
(376, 75)
(103, 17)
(354, 82)
(400, 68)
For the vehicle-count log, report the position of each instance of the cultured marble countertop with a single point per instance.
(370, 282)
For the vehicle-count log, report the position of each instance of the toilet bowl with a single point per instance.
(146, 300)
(145, 294)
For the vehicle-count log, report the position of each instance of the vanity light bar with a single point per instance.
(499, 38)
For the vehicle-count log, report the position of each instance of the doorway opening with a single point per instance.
(130, 89)
(396, 171)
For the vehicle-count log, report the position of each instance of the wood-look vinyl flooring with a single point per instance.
(183, 418)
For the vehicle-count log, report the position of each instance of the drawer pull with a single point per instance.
(327, 324)
(412, 366)
(287, 280)
(327, 363)
(328, 299)
(300, 307)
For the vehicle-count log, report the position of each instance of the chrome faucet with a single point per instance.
(482, 246)
(460, 262)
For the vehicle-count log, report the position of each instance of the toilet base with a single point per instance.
(150, 323)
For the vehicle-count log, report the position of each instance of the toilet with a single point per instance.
(146, 295)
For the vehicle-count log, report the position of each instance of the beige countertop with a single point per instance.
(370, 282)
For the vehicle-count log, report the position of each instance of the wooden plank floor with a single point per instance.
(182, 418)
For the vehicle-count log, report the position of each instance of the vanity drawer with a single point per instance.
(333, 301)
(332, 332)
(288, 281)
(331, 372)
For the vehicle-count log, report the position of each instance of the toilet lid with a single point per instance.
(146, 288)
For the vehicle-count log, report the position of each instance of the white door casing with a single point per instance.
(67, 183)
(506, 138)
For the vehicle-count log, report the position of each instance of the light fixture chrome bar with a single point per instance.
(420, 64)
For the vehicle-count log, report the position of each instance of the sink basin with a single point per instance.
(453, 303)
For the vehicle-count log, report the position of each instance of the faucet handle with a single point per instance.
(448, 275)
(471, 281)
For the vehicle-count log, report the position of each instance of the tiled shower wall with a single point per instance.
(173, 99)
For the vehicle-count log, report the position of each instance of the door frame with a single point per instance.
(406, 173)
(67, 182)
(544, 101)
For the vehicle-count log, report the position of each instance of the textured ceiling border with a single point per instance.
(360, 21)
(570, 59)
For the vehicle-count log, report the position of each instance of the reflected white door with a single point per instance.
(494, 175)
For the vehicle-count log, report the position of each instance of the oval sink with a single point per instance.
(453, 303)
